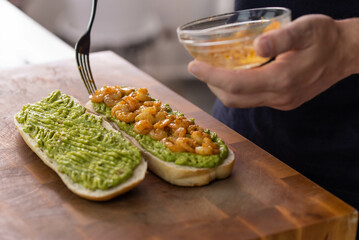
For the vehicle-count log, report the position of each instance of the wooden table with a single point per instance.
(262, 199)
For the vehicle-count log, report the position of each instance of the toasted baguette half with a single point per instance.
(78, 189)
(176, 174)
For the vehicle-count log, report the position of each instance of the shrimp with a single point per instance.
(126, 91)
(109, 90)
(208, 142)
(171, 117)
(178, 120)
(185, 123)
(162, 124)
(158, 134)
(204, 150)
(186, 143)
(148, 103)
(98, 96)
(198, 136)
(173, 147)
(142, 127)
(120, 107)
(125, 117)
(169, 139)
(101, 95)
(180, 132)
(141, 95)
(112, 99)
(133, 104)
(193, 127)
(157, 104)
(161, 116)
(150, 110)
(145, 116)
(173, 126)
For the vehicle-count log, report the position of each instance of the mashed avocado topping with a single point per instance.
(159, 150)
(95, 157)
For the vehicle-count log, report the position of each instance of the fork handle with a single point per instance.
(93, 13)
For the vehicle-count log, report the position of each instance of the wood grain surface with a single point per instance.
(262, 199)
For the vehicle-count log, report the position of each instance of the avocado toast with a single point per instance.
(177, 150)
(93, 160)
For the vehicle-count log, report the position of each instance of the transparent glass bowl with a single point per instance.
(226, 40)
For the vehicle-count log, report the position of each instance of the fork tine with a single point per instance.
(84, 72)
(80, 67)
(87, 64)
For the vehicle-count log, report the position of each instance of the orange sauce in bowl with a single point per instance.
(233, 54)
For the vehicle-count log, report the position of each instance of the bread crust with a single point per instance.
(176, 174)
(78, 189)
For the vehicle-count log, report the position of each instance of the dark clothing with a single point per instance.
(334, 8)
(320, 139)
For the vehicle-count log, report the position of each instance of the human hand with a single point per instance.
(312, 53)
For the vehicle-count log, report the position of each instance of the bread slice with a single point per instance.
(95, 195)
(177, 174)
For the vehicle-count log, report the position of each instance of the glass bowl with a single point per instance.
(226, 40)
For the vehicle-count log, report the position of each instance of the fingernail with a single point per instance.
(264, 47)
(193, 68)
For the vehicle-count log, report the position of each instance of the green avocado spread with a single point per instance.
(91, 155)
(161, 151)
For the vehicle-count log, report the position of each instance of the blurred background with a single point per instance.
(141, 31)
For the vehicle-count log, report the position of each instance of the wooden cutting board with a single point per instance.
(262, 199)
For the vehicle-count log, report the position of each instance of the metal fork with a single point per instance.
(82, 49)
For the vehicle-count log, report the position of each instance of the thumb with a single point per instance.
(294, 36)
(198, 69)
